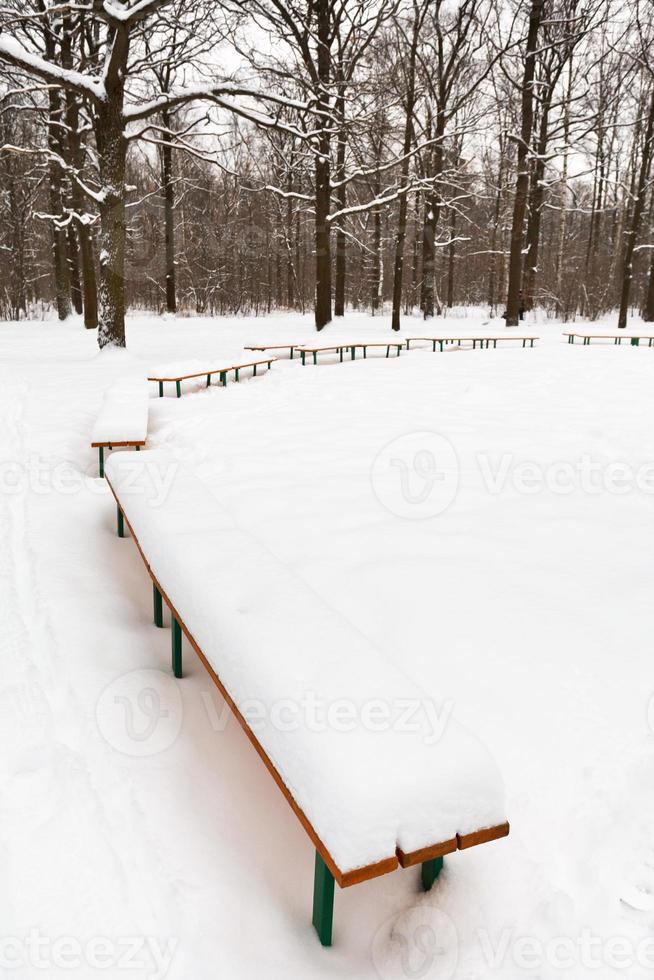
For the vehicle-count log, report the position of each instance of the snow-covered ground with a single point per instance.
(483, 517)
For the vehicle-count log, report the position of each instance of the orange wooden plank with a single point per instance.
(482, 836)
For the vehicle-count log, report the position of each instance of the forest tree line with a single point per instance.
(410, 155)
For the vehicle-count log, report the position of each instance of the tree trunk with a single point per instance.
(432, 211)
(513, 302)
(61, 271)
(404, 173)
(84, 237)
(323, 174)
(341, 200)
(564, 200)
(536, 197)
(648, 309)
(169, 215)
(73, 269)
(631, 234)
(450, 260)
(112, 151)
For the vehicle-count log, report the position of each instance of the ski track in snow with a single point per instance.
(545, 642)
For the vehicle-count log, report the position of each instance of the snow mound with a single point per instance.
(123, 416)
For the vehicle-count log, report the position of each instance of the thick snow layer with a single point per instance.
(387, 767)
(209, 365)
(124, 413)
(132, 805)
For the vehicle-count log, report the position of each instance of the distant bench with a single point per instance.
(482, 339)
(179, 373)
(351, 347)
(369, 799)
(123, 418)
(291, 348)
(617, 338)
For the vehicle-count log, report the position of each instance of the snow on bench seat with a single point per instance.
(484, 340)
(123, 417)
(351, 346)
(189, 370)
(617, 338)
(353, 742)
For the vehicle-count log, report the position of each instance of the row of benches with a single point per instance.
(118, 426)
(617, 338)
(306, 350)
(123, 419)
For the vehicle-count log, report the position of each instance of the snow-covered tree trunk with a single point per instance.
(633, 227)
(169, 214)
(61, 272)
(323, 173)
(112, 153)
(513, 302)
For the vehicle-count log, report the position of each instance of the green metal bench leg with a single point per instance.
(291, 355)
(138, 449)
(635, 341)
(430, 871)
(340, 354)
(223, 377)
(158, 606)
(161, 389)
(177, 648)
(353, 352)
(208, 380)
(441, 344)
(120, 523)
(399, 351)
(101, 460)
(323, 901)
(302, 357)
(236, 374)
(315, 357)
(178, 388)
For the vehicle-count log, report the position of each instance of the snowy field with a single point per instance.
(141, 836)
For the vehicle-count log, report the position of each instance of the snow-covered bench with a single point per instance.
(197, 369)
(484, 340)
(262, 348)
(617, 338)
(348, 737)
(351, 347)
(123, 418)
